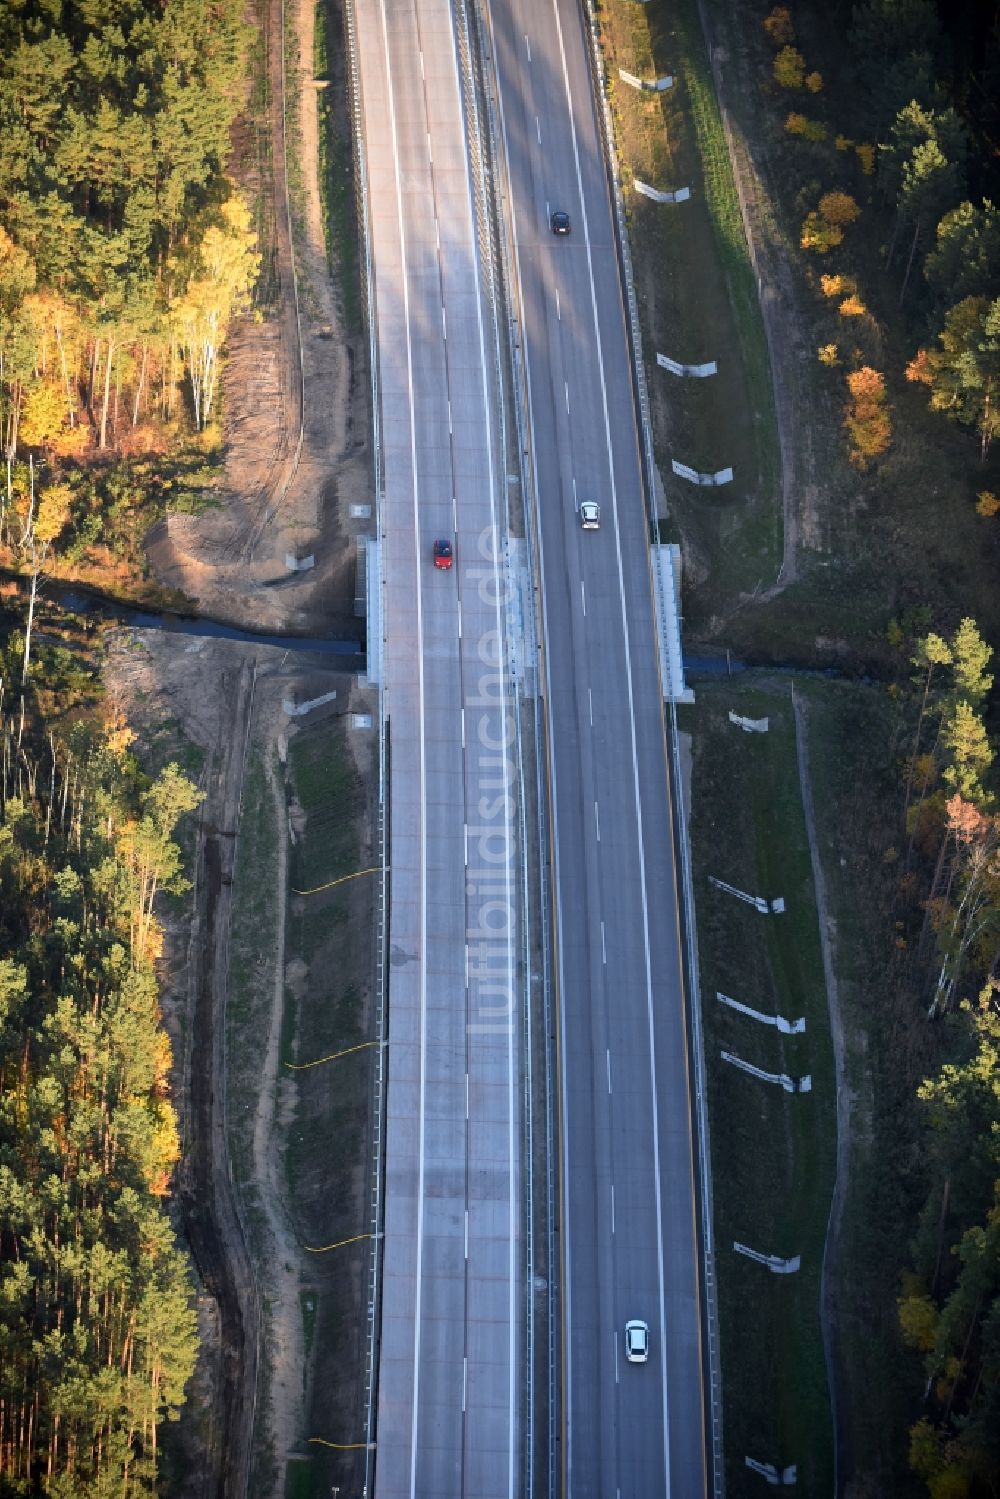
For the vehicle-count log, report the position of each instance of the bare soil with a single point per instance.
(295, 417)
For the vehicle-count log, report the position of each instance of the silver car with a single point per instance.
(636, 1342)
(590, 516)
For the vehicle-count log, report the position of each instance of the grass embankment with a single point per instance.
(773, 1152)
(253, 939)
(856, 793)
(697, 301)
(328, 1009)
(336, 160)
(255, 161)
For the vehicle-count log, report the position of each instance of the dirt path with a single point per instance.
(286, 1342)
(827, 934)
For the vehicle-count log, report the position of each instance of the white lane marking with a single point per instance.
(422, 958)
(444, 324)
(466, 1095)
(465, 1381)
(566, 389)
(437, 235)
(462, 711)
(612, 1207)
(615, 1336)
(465, 830)
(454, 512)
(466, 965)
(576, 502)
(604, 954)
(635, 758)
(422, 74)
(528, 45)
(430, 149)
(590, 704)
(547, 214)
(558, 308)
(597, 821)
(563, 1101)
(513, 1193)
(607, 1053)
(449, 419)
(538, 130)
(459, 624)
(583, 596)
(467, 1233)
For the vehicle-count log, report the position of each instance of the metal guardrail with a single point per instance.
(641, 394)
(379, 1082)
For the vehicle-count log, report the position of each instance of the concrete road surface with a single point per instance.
(629, 1234)
(450, 1355)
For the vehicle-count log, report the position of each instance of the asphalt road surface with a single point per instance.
(629, 1234)
(450, 1354)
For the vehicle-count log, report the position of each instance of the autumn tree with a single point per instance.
(824, 226)
(963, 372)
(866, 417)
(225, 269)
(779, 27)
(789, 68)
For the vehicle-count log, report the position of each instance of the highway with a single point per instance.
(450, 1354)
(630, 1245)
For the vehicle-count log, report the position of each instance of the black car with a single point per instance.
(559, 221)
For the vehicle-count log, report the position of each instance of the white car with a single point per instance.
(636, 1342)
(590, 516)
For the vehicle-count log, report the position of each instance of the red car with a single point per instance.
(443, 555)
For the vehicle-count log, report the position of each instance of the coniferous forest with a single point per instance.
(124, 250)
(97, 1324)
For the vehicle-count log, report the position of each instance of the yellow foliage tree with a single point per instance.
(920, 371)
(866, 417)
(814, 82)
(228, 267)
(865, 153)
(852, 306)
(833, 286)
(829, 355)
(839, 209)
(918, 1321)
(987, 504)
(809, 130)
(71, 442)
(42, 414)
(818, 235)
(778, 26)
(789, 68)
